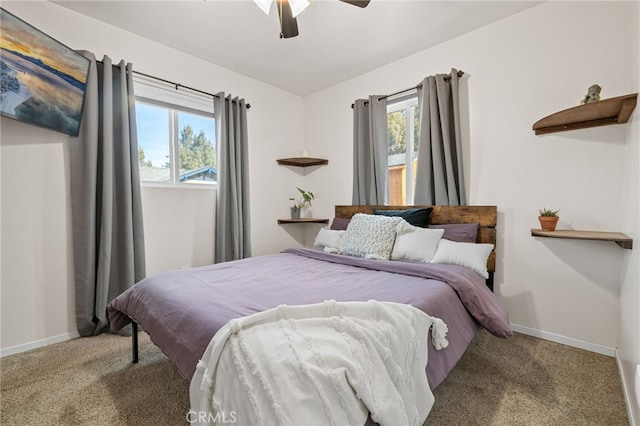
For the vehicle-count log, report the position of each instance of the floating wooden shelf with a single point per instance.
(619, 238)
(601, 113)
(302, 161)
(302, 220)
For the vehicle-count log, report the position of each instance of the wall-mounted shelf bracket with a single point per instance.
(619, 238)
(303, 220)
(302, 161)
(601, 113)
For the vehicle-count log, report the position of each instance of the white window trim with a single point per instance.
(158, 93)
(180, 186)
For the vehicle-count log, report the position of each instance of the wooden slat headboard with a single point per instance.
(486, 216)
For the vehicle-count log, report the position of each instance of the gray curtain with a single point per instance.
(108, 235)
(439, 174)
(233, 233)
(370, 157)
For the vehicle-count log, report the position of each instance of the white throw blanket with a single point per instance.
(324, 364)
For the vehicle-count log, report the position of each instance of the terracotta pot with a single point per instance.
(548, 223)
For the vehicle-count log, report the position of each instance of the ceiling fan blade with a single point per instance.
(288, 24)
(359, 3)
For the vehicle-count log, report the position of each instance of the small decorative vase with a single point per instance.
(295, 213)
(548, 223)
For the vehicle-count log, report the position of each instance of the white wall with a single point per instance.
(629, 334)
(37, 269)
(519, 70)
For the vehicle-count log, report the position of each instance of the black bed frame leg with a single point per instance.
(134, 342)
(490, 281)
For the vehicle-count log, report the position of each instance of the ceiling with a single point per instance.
(337, 41)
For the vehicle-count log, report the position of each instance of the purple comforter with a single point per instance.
(181, 310)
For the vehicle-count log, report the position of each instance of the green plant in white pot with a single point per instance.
(303, 199)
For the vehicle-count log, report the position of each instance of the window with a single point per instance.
(176, 136)
(402, 144)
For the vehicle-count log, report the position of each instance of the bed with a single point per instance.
(182, 310)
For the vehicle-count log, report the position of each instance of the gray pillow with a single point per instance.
(459, 232)
(370, 236)
(340, 224)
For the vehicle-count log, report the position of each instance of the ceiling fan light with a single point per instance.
(265, 5)
(297, 6)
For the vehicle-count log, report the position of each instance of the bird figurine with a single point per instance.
(593, 94)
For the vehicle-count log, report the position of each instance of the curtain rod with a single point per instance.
(176, 85)
(448, 77)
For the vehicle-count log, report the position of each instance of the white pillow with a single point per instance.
(370, 236)
(473, 256)
(330, 239)
(414, 243)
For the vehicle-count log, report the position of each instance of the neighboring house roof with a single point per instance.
(154, 174)
(396, 159)
(399, 159)
(161, 174)
(203, 173)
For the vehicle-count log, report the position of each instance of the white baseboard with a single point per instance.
(625, 389)
(38, 344)
(569, 341)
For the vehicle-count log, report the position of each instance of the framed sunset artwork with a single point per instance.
(42, 81)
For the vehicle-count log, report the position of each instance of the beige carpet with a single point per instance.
(520, 381)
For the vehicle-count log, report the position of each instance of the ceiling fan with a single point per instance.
(289, 9)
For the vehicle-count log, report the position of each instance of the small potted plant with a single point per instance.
(548, 219)
(304, 198)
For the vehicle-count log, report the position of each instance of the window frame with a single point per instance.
(406, 103)
(155, 94)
